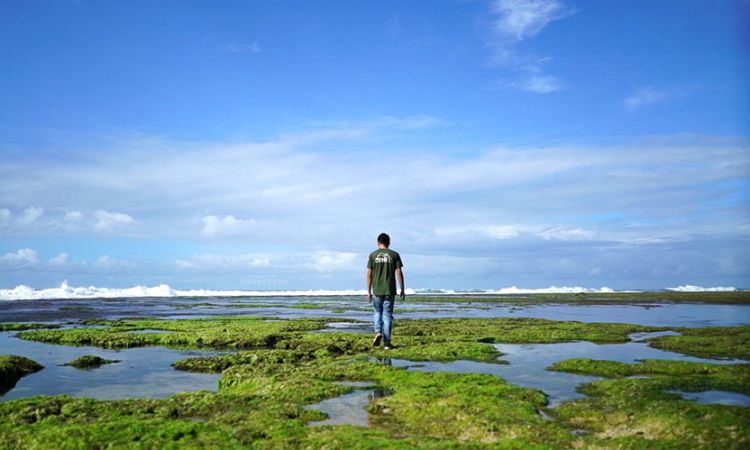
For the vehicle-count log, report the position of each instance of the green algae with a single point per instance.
(639, 412)
(261, 405)
(421, 339)
(221, 332)
(520, 330)
(25, 326)
(709, 342)
(701, 376)
(13, 368)
(90, 362)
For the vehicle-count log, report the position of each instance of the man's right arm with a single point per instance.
(400, 277)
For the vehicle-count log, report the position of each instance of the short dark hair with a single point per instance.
(384, 239)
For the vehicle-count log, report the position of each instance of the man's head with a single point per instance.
(384, 240)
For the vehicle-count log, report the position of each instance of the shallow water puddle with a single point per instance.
(142, 372)
(714, 397)
(528, 363)
(349, 327)
(349, 408)
(149, 330)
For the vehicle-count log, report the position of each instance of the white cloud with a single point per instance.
(241, 47)
(213, 261)
(260, 262)
(5, 215)
(227, 226)
(644, 96)
(21, 258)
(539, 84)
(107, 262)
(111, 221)
(565, 234)
(74, 216)
(325, 261)
(503, 231)
(30, 215)
(60, 260)
(522, 19)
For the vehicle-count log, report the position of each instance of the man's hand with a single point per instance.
(369, 297)
(402, 294)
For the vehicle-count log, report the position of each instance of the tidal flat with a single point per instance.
(264, 381)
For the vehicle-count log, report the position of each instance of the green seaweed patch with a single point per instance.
(10, 326)
(90, 362)
(520, 330)
(694, 376)
(261, 404)
(453, 407)
(220, 332)
(13, 368)
(640, 413)
(709, 342)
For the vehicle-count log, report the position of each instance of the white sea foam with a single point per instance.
(691, 288)
(65, 291)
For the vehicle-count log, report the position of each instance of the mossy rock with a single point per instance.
(90, 362)
(13, 368)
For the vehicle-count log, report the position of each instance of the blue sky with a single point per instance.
(264, 145)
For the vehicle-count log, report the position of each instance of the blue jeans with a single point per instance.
(383, 316)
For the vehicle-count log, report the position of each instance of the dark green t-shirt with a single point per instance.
(384, 263)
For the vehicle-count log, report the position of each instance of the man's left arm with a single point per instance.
(400, 277)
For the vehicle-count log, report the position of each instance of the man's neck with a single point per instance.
(383, 246)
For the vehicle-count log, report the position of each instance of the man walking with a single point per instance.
(383, 267)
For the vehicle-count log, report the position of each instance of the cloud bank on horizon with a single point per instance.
(503, 143)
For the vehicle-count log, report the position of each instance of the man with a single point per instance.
(383, 267)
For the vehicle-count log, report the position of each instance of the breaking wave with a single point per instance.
(691, 288)
(65, 291)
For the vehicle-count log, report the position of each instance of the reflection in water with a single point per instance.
(143, 372)
(714, 397)
(350, 408)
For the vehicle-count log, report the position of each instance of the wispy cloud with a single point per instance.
(644, 96)
(241, 47)
(226, 226)
(540, 84)
(107, 262)
(522, 19)
(515, 21)
(34, 219)
(214, 261)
